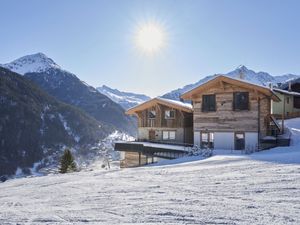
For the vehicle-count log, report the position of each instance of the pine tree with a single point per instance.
(67, 163)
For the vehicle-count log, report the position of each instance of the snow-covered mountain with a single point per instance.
(68, 88)
(35, 63)
(125, 99)
(243, 72)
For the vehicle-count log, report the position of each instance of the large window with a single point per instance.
(208, 103)
(151, 114)
(170, 114)
(240, 101)
(239, 141)
(169, 135)
(207, 140)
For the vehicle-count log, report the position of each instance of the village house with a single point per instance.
(231, 113)
(225, 113)
(165, 127)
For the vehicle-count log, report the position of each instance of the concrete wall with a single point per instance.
(251, 140)
(224, 140)
(143, 134)
(197, 138)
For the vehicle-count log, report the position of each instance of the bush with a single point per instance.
(67, 163)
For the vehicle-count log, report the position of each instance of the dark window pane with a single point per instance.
(297, 102)
(208, 103)
(241, 101)
(152, 114)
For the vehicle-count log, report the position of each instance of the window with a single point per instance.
(240, 101)
(169, 114)
(169, 135)
(172, 135)
(287, 100)
(208, 103)
(239, 141)
(207, 140)
(152, 114)
(297, 102)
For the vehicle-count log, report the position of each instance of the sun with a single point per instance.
(150, 38)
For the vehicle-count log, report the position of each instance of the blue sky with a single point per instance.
(94, 39)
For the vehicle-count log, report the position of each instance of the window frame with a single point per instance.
(151, 111)
(169, 135)
(207, 110)
(170, 118)
(234, 108)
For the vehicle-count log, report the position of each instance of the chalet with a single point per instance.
(289, 106)
(231, 113)
(225, 113)
(165, 127)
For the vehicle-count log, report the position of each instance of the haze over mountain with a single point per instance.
(68, 88)
(125, 99)
(243, 72)
(35, 127)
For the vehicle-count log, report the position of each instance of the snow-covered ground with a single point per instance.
(262, 188)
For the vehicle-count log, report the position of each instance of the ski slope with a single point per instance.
(262, 188)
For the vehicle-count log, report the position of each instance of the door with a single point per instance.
(239, 141)
(151, 135)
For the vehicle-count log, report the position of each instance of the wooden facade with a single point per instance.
(225, 118)
(152, 127)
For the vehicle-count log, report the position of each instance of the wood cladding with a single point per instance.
(225, 118)
(181, 119)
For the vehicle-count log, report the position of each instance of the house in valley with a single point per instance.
(231, 113)
(165, 127)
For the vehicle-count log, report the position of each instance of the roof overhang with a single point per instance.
(221, 79)
(170, 103)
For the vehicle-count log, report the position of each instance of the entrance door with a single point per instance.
(240, 141)
(151, 135)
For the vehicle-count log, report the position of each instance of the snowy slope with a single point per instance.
(125, 99)
(261, 78)
(38, 62)
(263, 188)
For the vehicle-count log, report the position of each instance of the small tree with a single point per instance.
(67, 163)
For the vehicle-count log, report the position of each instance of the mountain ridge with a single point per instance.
(125, 99)
(262, 78)
(68, 88)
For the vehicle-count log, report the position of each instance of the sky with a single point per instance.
(95, 39)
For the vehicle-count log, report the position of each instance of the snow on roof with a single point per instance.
(179, 103)
(286, 92)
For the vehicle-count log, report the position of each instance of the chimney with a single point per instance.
(290, 86)
(271, 85)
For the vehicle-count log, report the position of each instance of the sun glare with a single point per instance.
(150, 38)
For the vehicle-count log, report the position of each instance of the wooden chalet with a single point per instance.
(231, 114)
(166, 124)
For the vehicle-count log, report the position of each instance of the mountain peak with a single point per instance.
(37, 62)
(242, 68)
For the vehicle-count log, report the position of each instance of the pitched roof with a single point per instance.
(238, 82)
(186, 107)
